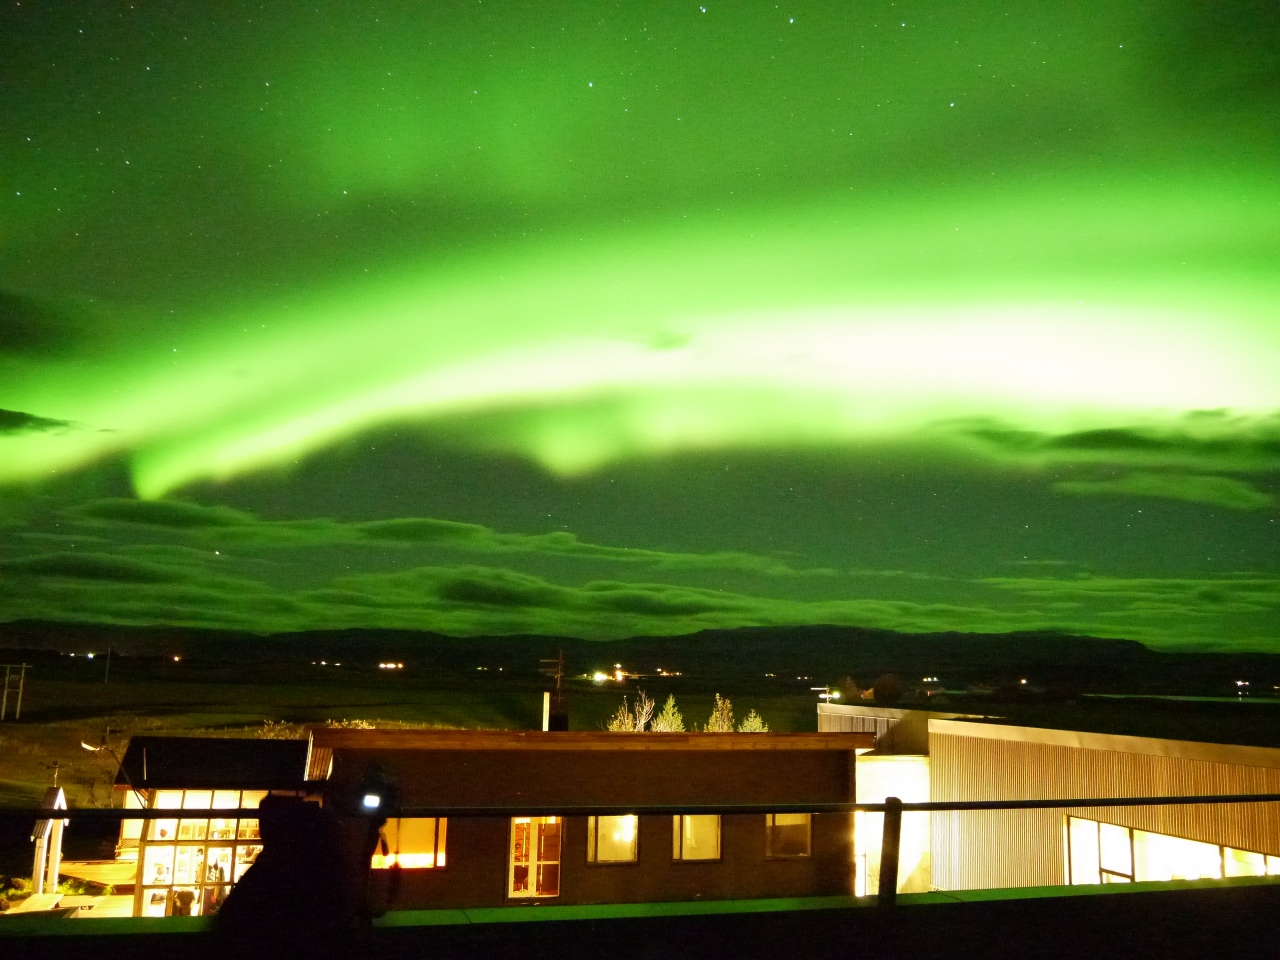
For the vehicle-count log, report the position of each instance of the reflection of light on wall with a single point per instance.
(877, 778)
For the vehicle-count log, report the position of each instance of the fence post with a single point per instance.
(888, 892)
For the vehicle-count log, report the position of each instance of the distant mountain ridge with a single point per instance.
(824, 653)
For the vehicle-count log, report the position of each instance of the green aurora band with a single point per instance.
(1011, 241)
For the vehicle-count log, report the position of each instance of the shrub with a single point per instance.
(631, 719)
(721, 719)
(753, 723)
(669, 720)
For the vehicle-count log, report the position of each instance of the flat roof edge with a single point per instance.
(541, 740)
(1116, 743)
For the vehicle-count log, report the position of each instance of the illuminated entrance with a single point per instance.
(535, 857)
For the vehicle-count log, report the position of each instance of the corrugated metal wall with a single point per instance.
(973, 850)
(854, 723)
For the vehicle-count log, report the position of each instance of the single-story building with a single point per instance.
(974, 758)
(489, 861)
(186, 864)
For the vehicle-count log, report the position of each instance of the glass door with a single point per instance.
(535, 857)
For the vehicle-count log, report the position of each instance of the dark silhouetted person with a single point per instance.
(305, 894)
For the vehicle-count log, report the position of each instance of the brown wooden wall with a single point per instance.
(550, 777)
(973, 850)
(478, 851)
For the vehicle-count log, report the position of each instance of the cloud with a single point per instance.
(89, 566)
(173, 514)
(1225, 492)
(15, 421)
(1216, 595)
(1204, 440)
(225, 526)
(472, 600)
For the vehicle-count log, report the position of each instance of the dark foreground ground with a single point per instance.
(1204, 919)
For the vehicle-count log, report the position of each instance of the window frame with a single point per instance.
(195, 812)
(1131, 877)
(593, 832)
(533, 839)
(677, 839)
(439, 846)
(770, 825)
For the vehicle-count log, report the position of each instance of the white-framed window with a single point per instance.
(412, 843)
(1108, 853)
(788, 835)
(695, 837)
(534, 870)
(189, 862)
(612, 839)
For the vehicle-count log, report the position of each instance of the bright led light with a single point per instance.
(371, 801)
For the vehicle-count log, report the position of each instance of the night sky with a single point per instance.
(597, 320)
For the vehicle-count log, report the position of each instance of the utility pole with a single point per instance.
(11, 670)
(107, 673)
(556, 719)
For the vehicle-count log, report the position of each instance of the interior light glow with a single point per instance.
(371, 801)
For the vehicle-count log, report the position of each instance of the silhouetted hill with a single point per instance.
(825, 653)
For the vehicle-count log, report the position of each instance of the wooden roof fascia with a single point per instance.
(537, 740)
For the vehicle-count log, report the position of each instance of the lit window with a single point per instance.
(188, 865)
(787, 834)
(535, 857)
(1115, 853)
(1082, 841)
(415, 843)
(1242, 863)
(695, 837)
(1160, 857)
(1108, 853)
(612, 839)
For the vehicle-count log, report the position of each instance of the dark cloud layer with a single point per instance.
(15, 421)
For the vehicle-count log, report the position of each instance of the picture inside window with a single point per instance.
(411, 843)
(788, 834)
(695, 837)
(612, 839)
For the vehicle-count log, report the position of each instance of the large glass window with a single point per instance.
(1108, 853)
(189, 862)
(535, 857)
(612, 839)
(414, 843)
(787, 834)
(695, 837)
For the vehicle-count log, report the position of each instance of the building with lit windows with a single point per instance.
(472, 861)
(517, 824)
(973, 758)
(185, 865)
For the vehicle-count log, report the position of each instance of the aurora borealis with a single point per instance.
(493, 317)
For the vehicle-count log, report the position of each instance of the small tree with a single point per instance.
(721, 719)
(620, 722)
(753, 723)
(669, 720)
(629, 719)
(643, 711)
